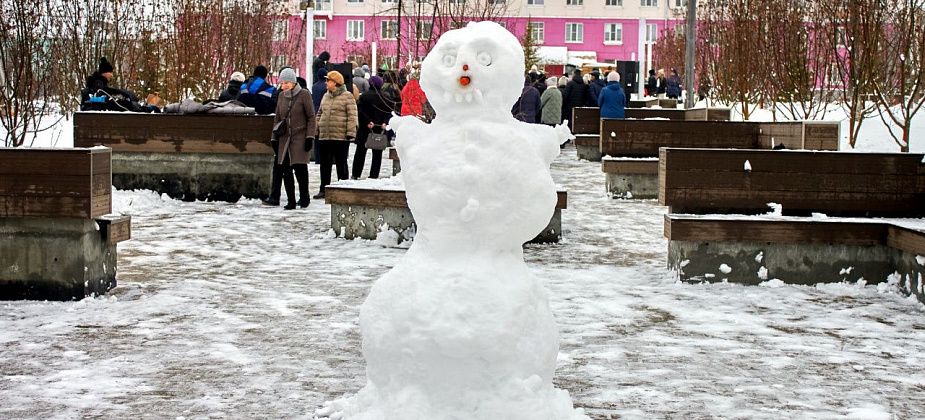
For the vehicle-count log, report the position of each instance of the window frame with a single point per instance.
(357, 24)
(580, 32)
(618, 30)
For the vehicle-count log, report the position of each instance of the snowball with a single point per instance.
(759, 257)
(725, 268)
(763, 273)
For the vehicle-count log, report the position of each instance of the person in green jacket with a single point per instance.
(551, 104)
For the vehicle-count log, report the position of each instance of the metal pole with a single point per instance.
(309, 42)
(689, 56)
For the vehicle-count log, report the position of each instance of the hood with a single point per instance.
(614, 86)
(358, 72)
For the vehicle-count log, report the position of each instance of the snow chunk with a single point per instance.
(773, 283)
(759, 257)
(920, 259)
(748, 166)
(776, 209)
(725, 268)
(763, 273)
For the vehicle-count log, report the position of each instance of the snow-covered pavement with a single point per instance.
(244, 311)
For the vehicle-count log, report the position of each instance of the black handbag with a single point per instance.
(377, 141)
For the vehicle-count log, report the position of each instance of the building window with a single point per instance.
(387, 62)
(280, 30)
(651, 33)
(354, 1)
(456, 1)
(680, 29)
(388, 29)
(574, 2)
(355, 30)
(614, 3)
(425, 29)
(495, 2)
(574, 32)
(613, 33)
(680, 3)
(537, 30)
(390, 1)
(648, 3)
(323, 5)
(535, 2)
(321, 29)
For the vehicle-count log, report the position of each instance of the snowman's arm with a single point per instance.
(547, 139)
(404, 128)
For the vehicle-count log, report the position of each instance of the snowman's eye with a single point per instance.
(484, 59)
(449, 60)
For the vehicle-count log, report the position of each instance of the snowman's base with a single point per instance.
(358, 212)
(528, 399)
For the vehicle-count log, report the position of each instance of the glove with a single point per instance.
(308, 143)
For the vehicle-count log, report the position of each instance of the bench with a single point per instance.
(622, 139)
(714, 235)
(359, 211)
(189, 157)
(646, 102)
(59, 238)
(586, 126)
(668, 103)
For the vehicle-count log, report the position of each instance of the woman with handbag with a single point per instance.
(374, 114)
(294, 127)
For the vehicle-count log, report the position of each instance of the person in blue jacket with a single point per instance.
(612, 99)
(256, 92)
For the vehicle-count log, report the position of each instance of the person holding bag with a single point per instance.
(374, 115)
(294, 127)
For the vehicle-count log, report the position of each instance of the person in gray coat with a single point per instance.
(359, 80)
(551, 103)
(295, 107)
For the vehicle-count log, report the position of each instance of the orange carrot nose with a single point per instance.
(464, 80)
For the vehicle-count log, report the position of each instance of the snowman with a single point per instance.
(460, 329)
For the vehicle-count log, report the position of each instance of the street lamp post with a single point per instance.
(309, 7)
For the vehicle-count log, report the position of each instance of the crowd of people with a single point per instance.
(325, 118)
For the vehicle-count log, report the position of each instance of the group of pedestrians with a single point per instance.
(659, 86)
(326, 118)
(550, 100)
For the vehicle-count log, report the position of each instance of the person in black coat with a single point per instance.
(651, 84)
(527, 107)
(320, 62)
(595, 88)
(576, 95)
(231, 92)
(98, 84)
(258, 93)
(373, 114)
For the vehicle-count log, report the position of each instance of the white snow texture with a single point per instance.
(460, 328)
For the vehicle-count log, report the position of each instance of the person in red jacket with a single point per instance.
(413, 98)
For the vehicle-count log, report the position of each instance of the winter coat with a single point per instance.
(320, 61)
(576, 94)
(231, 92)
(412, 99)
(318, 90)
(673, 89)
(551, 106)
(190, 106)
(612, 101)
(258, 94)
(97, 82)
(372, 108)
(337, 117)
(661, 86)
(527, 107)
(359, 81)
(391, 93)
(652, 86)
(594, 91)
(300, 124)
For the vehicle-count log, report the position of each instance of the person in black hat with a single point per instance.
(258, 93)
(97, 85)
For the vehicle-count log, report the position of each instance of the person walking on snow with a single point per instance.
(337, 127)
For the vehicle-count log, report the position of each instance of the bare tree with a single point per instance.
(855, 28)
(26, 67)
(900, 92)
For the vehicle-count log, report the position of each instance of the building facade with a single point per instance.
(386, 33)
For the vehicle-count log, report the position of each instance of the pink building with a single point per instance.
(567, 32)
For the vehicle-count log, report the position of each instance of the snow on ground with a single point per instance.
(244, 311)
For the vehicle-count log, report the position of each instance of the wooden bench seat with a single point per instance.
(59, 238)
(708, 193)
(358, 211)
(197, 156)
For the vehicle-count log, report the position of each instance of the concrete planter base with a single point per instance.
(55, 259)
(194, 176)
(588, 147)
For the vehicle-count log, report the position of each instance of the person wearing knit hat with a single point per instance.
(97, 85)
(294, 110)
(233, 89)
(337, 127)
(258, 93)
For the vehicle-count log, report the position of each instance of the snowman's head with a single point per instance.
(480, 66)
